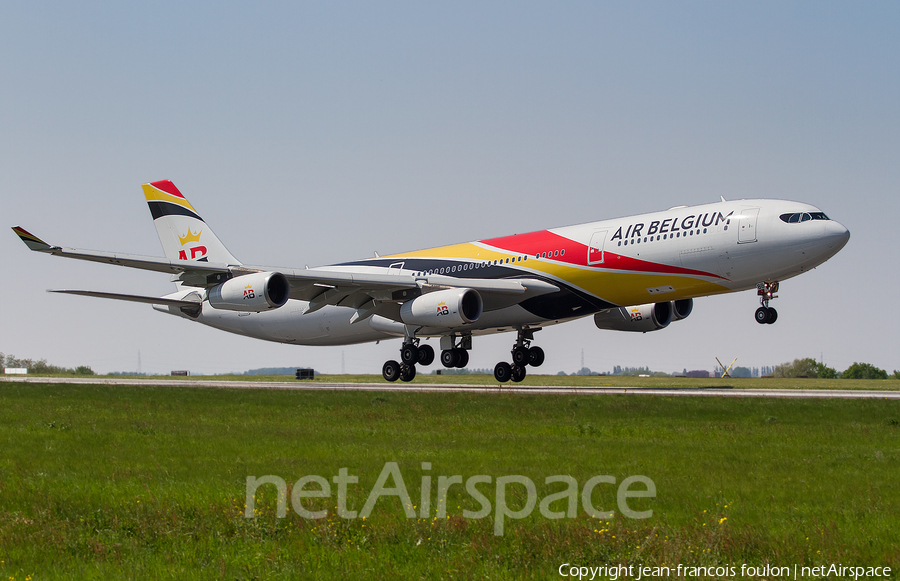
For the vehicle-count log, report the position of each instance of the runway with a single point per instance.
(464, 388)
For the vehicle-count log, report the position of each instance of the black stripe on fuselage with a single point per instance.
(568, 302)
(160, 209)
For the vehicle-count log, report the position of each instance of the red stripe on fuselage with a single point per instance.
(534, 243)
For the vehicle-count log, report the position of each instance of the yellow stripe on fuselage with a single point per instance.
(615, 286)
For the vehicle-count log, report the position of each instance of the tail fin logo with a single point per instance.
(190, 237)
(195, 250)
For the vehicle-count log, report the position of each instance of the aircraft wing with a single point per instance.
(320, 286)
(130, 260)
(169, 302)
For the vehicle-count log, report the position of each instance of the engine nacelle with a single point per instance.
(642, 318)
(253, 293)
(446, 308)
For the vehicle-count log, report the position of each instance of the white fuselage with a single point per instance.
(681, 253)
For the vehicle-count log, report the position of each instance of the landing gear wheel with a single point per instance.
(503, 372)
(409, 354)
(535, 356)
(426, 355)
(518, 373)
(407, 372)
(449, 357)
(766, 315)
(462, 358)
(391, 371)
(521, 356)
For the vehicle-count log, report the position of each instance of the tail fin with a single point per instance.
(183, 233)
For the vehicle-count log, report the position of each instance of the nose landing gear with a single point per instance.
(522, 355)
(766, 315)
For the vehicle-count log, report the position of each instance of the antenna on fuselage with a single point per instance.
(723, 198)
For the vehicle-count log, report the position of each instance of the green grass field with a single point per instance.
(149, 482)
(552, 380)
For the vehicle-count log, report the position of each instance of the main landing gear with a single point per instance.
(522, 355)
(766, 315)
(455, 353)
(411, 353)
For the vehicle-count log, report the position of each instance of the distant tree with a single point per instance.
(896, 374)
(798, 368)
(825, 372)
(863, 371)
(84, 370)
(740, 372)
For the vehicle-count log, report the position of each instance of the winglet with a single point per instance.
(32, 241)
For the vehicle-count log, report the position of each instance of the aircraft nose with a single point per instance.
(830, 241)
(838, 233)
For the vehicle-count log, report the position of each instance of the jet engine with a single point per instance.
(260, 291)
(642, 318)
(446, 308)
(682, 308)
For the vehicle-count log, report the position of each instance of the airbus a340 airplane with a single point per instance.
(632, 274)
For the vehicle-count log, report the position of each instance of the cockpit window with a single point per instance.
(803, 217)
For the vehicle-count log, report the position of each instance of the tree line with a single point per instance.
(809, 367)
(41, 366)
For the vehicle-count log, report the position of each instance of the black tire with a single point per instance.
(773, 316)
(503, 372)
(462, 358)
(407, 372)
(521, 356)
(449, 358)
(409, 354)
(762, 315)
(426, 355)
(518, 373)
(536, 356)
(391, 371)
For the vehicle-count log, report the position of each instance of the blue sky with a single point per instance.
(318, 133)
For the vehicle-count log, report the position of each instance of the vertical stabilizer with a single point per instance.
(183, 233)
